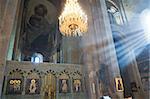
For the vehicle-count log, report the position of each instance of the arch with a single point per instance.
(77, 75)
(112, 3)
(114, 12)
(64, 76)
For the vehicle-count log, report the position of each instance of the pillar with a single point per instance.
(24, 84)
(134, 76)
(100, 49)
(5, 33)
(71, 87)
(57, 87)
(17, 51)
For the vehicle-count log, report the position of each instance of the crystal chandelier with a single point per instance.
(72, 21)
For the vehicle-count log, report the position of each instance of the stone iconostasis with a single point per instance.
(48, 83)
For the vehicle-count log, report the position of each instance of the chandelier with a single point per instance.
(72, 21)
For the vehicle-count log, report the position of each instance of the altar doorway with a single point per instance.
(49, 87)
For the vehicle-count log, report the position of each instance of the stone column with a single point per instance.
(24, 84)
(3, 4)
(135, 77)
(15, 34)
(122, 10)
(55, 57)
(5, 33)
(61, 56)
(5, 85)
(71, 82)
(57, 88)
(101, 49)
(17, 51)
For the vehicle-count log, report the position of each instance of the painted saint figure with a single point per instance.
(77, 85)
(64, 86)
(39, 30)
(38, 23)
(15, 86)
(119, 85)
(32, 87)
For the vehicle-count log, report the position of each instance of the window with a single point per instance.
(37, 58)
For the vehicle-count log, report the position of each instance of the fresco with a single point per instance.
(40, 31)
